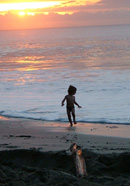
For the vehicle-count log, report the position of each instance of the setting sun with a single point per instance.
(28, 13)
(21, 13)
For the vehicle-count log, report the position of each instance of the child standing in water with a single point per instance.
(70, 101)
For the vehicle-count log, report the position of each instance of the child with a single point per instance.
(70, 101)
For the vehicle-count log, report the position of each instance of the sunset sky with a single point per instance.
(27, 14)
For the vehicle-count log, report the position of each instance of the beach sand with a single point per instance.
(34, 152)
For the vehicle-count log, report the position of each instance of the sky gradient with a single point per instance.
(28, 14)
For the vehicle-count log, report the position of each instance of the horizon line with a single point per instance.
(63, 27)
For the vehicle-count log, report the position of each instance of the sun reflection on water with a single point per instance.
(27, 63)
(3, 118)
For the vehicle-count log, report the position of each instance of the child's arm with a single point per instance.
(77, 104)
(62, 103)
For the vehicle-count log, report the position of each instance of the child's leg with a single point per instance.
(73, 114)
(69, 117)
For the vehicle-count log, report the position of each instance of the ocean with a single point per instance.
(37, 66)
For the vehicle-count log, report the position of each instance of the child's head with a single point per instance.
(72, 90)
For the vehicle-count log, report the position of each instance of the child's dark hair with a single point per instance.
(72, 90)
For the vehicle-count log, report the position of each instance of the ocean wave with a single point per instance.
(50, 119)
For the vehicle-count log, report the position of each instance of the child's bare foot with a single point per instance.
(71, 125)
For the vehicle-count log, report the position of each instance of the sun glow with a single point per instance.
(65, 13)
(21, 13)
(31, 5)
(28, 13)
(31, 13)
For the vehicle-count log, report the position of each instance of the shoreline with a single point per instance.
(18, 133)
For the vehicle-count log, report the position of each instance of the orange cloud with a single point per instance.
(22, 5)
(30, 7)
